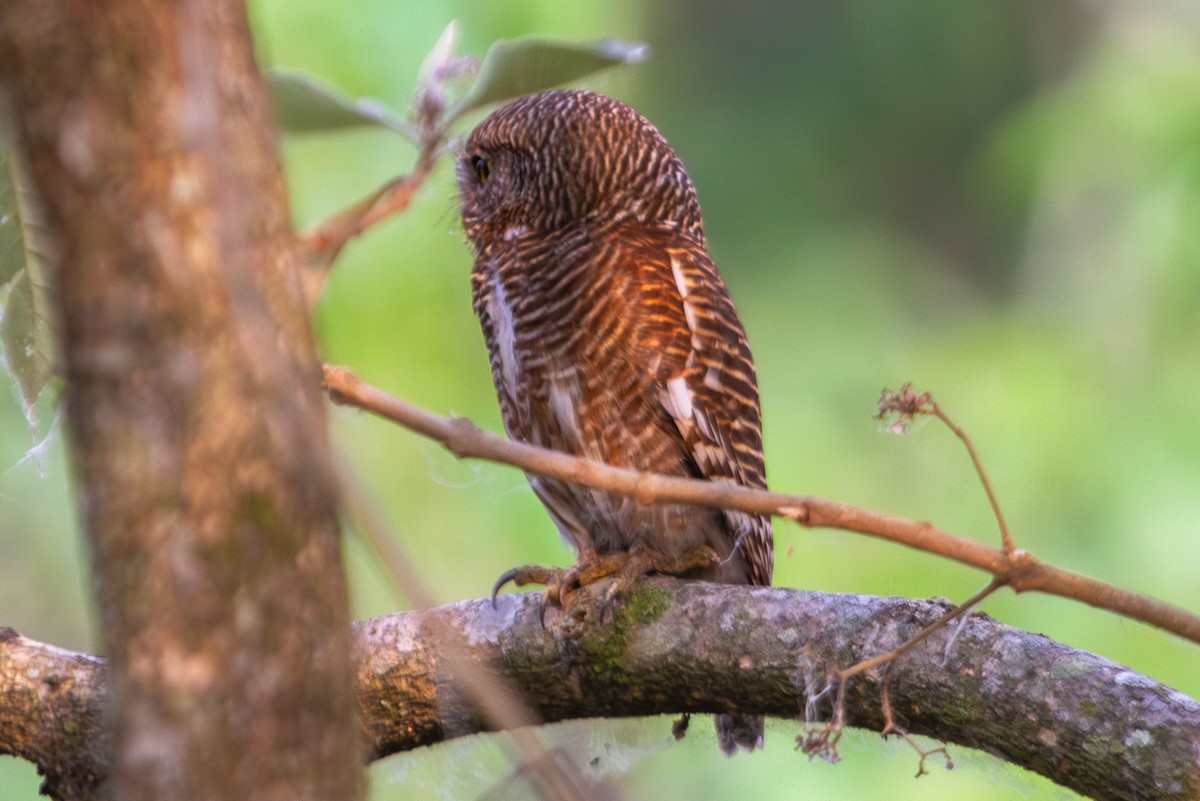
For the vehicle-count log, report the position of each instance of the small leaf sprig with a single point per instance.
(449, 86)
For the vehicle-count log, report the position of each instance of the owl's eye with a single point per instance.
(480, 165)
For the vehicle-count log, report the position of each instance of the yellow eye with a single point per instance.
(480, 165)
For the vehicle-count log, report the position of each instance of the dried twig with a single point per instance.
(907, 405)
(1020, 570)
(432, 115)
(320, 245)
(822, 741)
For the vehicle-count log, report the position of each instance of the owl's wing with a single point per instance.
(695, 347)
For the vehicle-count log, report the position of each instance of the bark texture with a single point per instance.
(1083, 721)
(1089, 724)
(192, 398)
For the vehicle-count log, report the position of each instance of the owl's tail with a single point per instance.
(739, 731)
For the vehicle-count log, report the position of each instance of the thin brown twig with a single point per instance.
(920, 636)
(907, 405)
(1005, 536)
(320, 245)
(823, 740)
(890, 725)
(1020, 570)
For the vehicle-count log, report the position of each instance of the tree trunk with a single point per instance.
(192, 400)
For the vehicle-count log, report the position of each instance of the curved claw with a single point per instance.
(505, 577)
(522, 575)
(625, 566)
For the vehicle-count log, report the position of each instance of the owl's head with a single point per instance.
(567, 157)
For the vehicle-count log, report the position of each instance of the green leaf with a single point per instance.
(512, 68)
(12, 239)
(305, 105)
(27, 340)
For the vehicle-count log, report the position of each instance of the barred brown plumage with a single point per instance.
(612, 336)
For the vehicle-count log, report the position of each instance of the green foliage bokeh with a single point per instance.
(995, 201)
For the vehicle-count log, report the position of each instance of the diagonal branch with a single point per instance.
(1019, 569)
(320, 246)
(554, 777)
(693, 647)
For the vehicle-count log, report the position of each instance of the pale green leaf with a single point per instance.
(27, 342)
(441, 54)
(512, 68)
(12, 240)
(305, 105)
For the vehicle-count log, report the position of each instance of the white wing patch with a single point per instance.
(679, 398)
(707, 430)
(712, 450)
(682, 285)
(564, 407)
(501, 315)
(680, 279)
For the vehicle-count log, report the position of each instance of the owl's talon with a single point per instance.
(619, 587)
(642, 560)
(522, 575)
(562, 582)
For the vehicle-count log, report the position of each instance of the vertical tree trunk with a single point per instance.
(192, 399)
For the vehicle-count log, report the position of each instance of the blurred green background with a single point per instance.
(995, 200)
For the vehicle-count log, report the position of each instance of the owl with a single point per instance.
(611, 336)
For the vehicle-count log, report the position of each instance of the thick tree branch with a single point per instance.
(52, 713)
(687, 646)
(690, 647)
(1019, 569)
